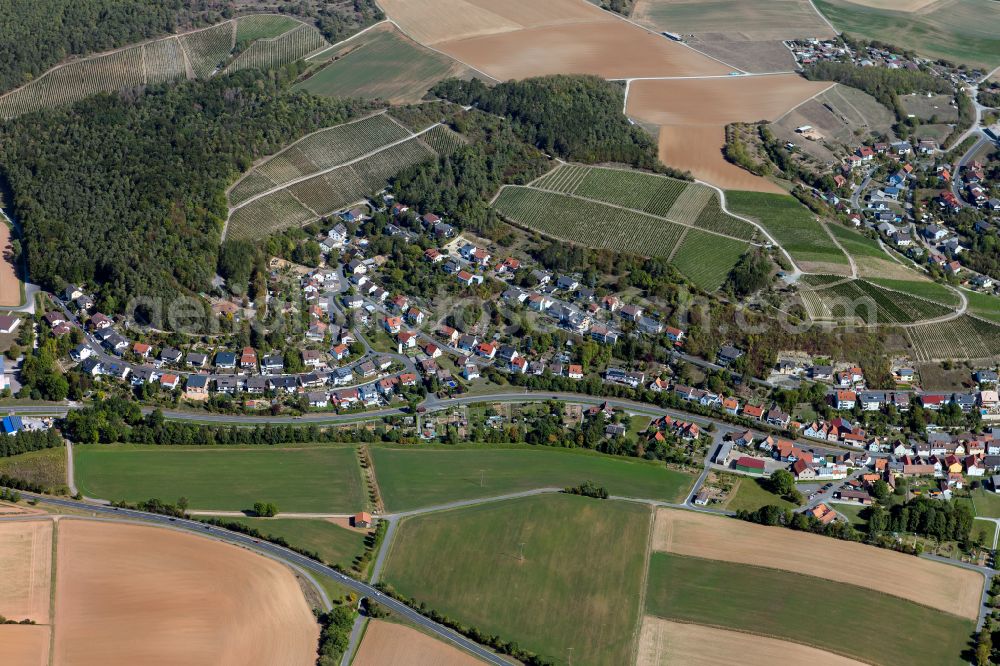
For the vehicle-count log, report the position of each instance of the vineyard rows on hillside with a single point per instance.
(875, 305)
(962, 338)
(267, 215)
(208, 49)
(707, 259)
(589, 223)
(443, 140)
(277, 51)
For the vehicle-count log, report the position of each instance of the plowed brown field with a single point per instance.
(131, 594)
(666, 643)
(692, 115)
(24, 645)
(10, 285)
(26, 562)
(940, 586)
(517, 39)
(390, 644)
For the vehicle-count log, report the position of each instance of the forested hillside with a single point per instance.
(37, 34)
(126, 192)
(574, 117)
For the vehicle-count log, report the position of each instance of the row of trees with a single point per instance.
(574, 117)
(25, 441)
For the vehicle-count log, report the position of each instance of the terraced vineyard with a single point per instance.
(333, 187)
(588, 222)
(443, 140)
(278, 41)
(267, 215)
(713, 218)
(793, 226)
(962, 338)
(208, 49)
(874, 305)
(316, 152)
(277, 51)
(630, 189)
(707, 259)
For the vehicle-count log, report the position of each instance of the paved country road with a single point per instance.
(276, 552)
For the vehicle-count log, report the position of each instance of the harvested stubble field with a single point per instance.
(411, 479)
(384, 64)
(24, 645)
(132, 594)
(552, 572)
(939, 586)
(10, 285)
(794, 227)
(749, 55)
(665, 643)
(305, 478)
(966, 337)
(26, 554)
(519, 39)
(750, 19)
(856, 622)
(391, 644)
(692, 115)
(957, 30)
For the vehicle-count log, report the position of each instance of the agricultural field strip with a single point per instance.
(631, 210)
(287, 47)
(322, 172)
(964, 337)
(931, 307)
(902, 310)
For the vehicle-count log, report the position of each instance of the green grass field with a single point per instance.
(792, 225)
(333, 543)
(874, 305)
(853, 513)
(750, 496)
(578, 585)
(47, 467)
(985, 531)
(314, 479)
(963, 31)
(382, 64)
(850, 620)
(984, 305)
(413, 478)
(930, 290)
(986, 503)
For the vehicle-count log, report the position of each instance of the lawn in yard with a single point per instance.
(551, 572)
(335, 544)
(986, 503)
(302, 478)
(864, 624)
(748, 494)
(420, 477)
(853, 513)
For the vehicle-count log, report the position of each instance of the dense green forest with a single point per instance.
(37, 34)
(126, 193)
(573, 117)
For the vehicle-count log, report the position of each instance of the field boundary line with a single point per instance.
(680, 241)
(808, 99)
(188, 67)
(52, 590)
(836, 241)
(303, 204)
(323, 172)
(344, 41)
(438, 51)
(637, 630)
(823, 17)
(742, 75)
(763, 635)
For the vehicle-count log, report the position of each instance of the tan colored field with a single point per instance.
(898, 5)
(391, 644)
(9, 509)
(24, 645)
(692, 115)
(666, 643)
(939, 586)
(10, 286)
(517, 39)
(751, 20)
(132, 594)
(26, 554)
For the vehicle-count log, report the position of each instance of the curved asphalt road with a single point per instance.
(277, 552)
